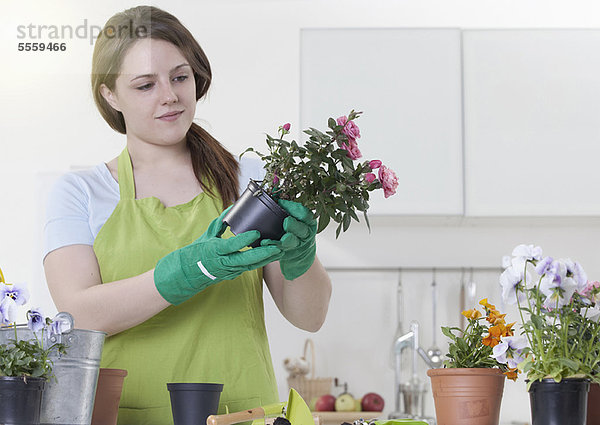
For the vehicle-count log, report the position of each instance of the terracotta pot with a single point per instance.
(256, 210)
(467, 396)
(593, 406)
(108, 395)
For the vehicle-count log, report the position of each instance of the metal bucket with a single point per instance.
(68, 399)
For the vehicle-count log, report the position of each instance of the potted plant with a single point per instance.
(322, 175)
(469, 387)
(25, 364)
(559, 314)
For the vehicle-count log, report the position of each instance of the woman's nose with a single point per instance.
(168, 95)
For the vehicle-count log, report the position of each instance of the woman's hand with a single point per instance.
(209, 260)
(298, 244)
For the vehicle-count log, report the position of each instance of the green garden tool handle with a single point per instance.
(246, 415)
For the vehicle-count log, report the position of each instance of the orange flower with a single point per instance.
(507, 329)
(471, 314)
(493, 337)
(488, 306)
(490, 341)
(494, 317)
(512, 374)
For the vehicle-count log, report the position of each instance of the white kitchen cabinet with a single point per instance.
(532, 122)
(408, 84)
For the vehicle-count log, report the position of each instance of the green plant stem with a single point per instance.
(552, 344)
(521, 314)
(565, 328)
(590, 347)
(536, 333)
(580, 332)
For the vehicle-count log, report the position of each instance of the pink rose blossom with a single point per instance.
(350, 129)
(388, 180)
(370, 177)
(275, 179)
(374, 164)
(286, 127)
(353, 151)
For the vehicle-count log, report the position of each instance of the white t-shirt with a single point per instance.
(81, 201)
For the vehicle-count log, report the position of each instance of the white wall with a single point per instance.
(49, 123)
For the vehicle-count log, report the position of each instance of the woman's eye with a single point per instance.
(181, 78)
(146, 86)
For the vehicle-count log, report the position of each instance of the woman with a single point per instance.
(136, 247)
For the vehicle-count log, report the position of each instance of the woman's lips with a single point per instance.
(170, 116)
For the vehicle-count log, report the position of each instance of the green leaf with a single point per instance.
(346, 222)
(352, 214)
(446, 331)
(571, 364)
(367, 221)
(323, 222)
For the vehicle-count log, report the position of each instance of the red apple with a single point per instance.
(325, 403)
(372, 402)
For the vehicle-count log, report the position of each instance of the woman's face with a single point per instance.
(156, 93)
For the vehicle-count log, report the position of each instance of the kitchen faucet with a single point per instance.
(412, 391)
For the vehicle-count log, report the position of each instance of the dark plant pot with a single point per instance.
(192, 403)
(20, 400)
(108, 395)
(559, 403)
(593, 406)
(256, 210)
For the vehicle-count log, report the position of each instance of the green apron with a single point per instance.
(216, 336)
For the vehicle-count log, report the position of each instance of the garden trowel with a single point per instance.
(295, 410)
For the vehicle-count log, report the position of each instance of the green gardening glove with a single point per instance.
(298, 243)
(209, 260)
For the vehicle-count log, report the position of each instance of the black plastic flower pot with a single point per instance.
(20, 400)
(559, 403)
(192, 403)
(256, 210)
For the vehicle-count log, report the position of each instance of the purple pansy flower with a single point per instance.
(523, 253)
(35, 320)
(557, 286)
(592, 313)
(509, 350)
(17, 292)
(8, 310)
(510, 280)
(545, 266)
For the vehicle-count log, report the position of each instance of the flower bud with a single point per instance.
(374, 164)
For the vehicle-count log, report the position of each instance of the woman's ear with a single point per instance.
(109, 96)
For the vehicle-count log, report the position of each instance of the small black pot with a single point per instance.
(20, 400)
(192, 403)
(559, 403)
(256, 210)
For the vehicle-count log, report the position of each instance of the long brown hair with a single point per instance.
(210, 160)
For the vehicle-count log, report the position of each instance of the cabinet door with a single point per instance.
(532, 122)
(408, 84)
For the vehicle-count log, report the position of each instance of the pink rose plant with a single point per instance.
(323, 175)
